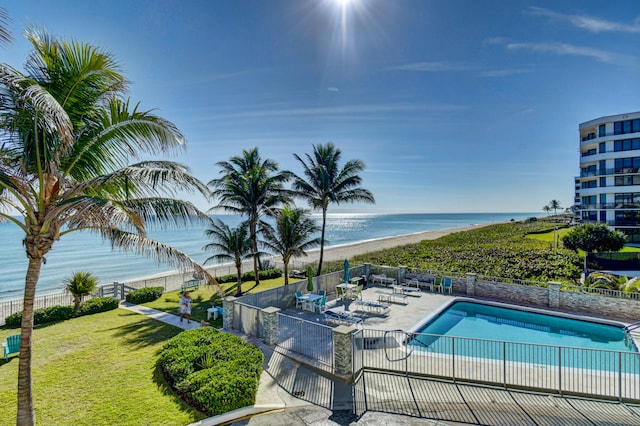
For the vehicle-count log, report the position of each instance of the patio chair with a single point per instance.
(322, 292)
(321, 304)
(446, 285)
(437, 282)
(299, 300)
(340, 291)
(12, 346)
(359, 294)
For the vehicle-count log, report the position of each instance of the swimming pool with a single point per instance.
(474, 329)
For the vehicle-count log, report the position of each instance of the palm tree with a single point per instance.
(555, 205)
(253, 187)
(292, 235)
(80, 284)
(67, 137)
(231, 244)
(325, 182)
(5, 33)
(546, 209)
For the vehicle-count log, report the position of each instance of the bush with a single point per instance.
(249, 276)
(144, 295)
(215, 371)
(42, 315)
(100, 304)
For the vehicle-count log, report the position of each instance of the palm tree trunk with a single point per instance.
(239, 283)
(286, 271)
(254, 247)
(324, 224)
(26, 415)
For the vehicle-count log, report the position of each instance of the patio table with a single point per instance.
(309, 301)
(348, 290)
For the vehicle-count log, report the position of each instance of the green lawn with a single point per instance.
(548, 237)
(97, 370)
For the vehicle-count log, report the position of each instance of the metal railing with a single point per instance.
(547, 368)
(602, 292)
(307, 338)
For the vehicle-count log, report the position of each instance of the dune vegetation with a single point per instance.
(500, 250)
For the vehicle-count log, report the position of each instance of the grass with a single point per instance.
(94, 369)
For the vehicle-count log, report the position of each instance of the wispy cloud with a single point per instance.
(588, 23)
(502, 73)
(564, 49)
(338, 111)
(433, 67)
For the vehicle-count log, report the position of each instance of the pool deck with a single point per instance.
(405, 313)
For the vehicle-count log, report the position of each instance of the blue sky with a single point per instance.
(454, 106)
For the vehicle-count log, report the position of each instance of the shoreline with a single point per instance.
(331, 254)
(343, 251)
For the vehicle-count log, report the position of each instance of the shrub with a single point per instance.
(212, 370)
(43, 315)
(249, 276)
(144, 295)
(100, 304)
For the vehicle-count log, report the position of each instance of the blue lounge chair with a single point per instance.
(12, 346)
(299, 299)
(341, 317)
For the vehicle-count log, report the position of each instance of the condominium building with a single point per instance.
(608, 188)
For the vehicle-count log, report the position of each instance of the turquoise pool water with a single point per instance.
(530, 337)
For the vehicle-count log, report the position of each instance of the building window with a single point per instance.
(602, 147)
(589, 184)
(627, 218)
(602, 130)
(627, 180)
(603, 182)
(627, 126)
(626, 145)
(633, 235)
(628, 200)
(590, 216)
(588, 201)
(588, 171)
(627, 165)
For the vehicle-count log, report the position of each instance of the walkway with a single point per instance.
(293, 394)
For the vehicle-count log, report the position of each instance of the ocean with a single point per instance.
(86, 251)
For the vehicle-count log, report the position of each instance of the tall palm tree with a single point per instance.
(546, 209)
(67, 137)
(253, 187)
(231, 244)
(293, 234)
(324, 182)
(555, 205)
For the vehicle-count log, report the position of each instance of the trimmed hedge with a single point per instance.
(213, 371)
(62, 313)
(97, 305)
(250, 276)
(144, 295)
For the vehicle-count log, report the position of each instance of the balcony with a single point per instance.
(609, 206)
(609, 172)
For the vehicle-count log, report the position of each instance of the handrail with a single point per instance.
(404, 342)
(632, 326)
